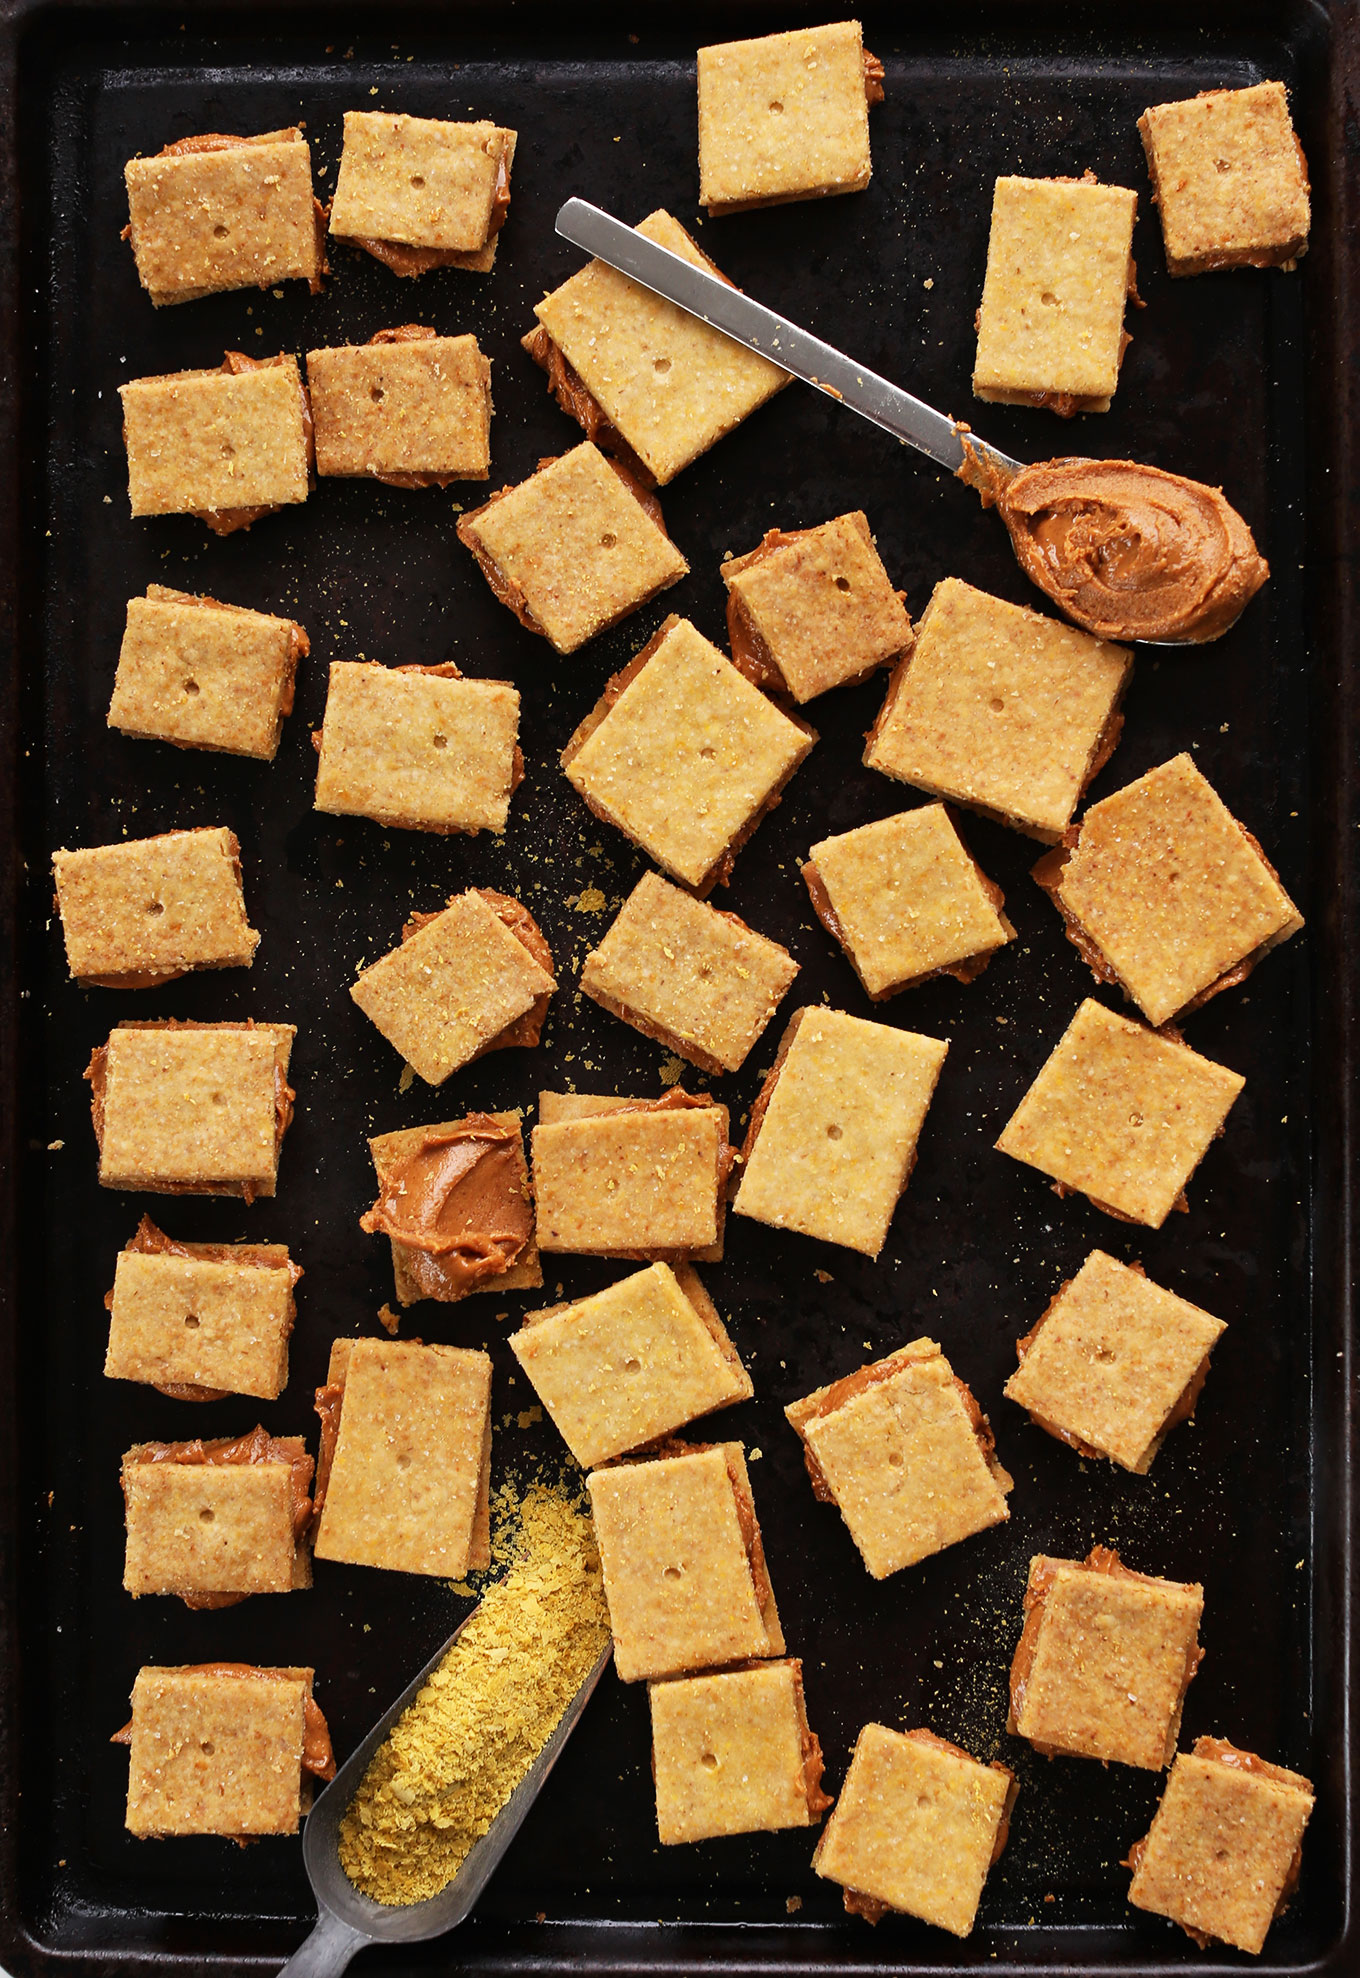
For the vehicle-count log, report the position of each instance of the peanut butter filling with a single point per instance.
(576, 399)
(459, 1196)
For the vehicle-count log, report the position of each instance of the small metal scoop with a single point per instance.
(347, 1920)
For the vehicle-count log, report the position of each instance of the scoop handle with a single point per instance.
(327, 1952)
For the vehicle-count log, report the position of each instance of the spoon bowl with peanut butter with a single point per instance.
(346, 1918)
(1126, 551)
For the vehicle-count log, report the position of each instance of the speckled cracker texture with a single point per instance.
(1110, 1359)
(1112, 1657)
(897, 1448)
(410, 1460)
(999, 708)
(630, 1363)
(1121, 1114)
(838, 1139)
(216, 1753)
(678, 1574)
(1221, 1850)
(668, 384)
(241, 217)
(205, 675)
(419, 181)
(1170, 890)
(202, 441)
(907, 899)
(573, 547)
(206, 1321)
(443, 996)
(820, 603)
(415, 751)
(154, 906)
(915, 1827)
(1051, 325)
(631, 1183)
(1229, 178)
(727, 1753)
(208, 1528)
(699, 981)
(193, 1110)
(683, 755)
(783, 117)
(419, 407)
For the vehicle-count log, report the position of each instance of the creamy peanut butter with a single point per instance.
(1125, 550)
(458, 1195)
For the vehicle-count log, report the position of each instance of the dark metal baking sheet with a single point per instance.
(1245, 379)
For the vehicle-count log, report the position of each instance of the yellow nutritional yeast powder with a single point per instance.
(457, 1753)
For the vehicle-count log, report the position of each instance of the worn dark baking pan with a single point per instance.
(1245, 379)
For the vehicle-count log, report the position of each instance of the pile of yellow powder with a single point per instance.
(457, 1752)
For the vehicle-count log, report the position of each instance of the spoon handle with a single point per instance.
(327, 1951)
(746, 321)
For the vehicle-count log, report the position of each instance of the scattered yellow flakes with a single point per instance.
(824, 1277)
(388, 1319)
(528, 1416)
(591, 900)
(793, 1904)
(407, 1079)
(671, 1069)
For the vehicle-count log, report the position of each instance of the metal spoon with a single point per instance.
(737, 316)
(727, 309)
(347, 1920)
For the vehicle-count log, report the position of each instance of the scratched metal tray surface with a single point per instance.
(1241, 379)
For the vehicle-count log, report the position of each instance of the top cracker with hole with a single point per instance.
(1165, 893)
(1104, 1660)
(813, 609)
(1230, 180)
(1114, 1363)
(785, 117)
(474, 978)
(906, 901)
(634, 1362)
(644, 1178)
(227, 446)
(1059, 266)
(407, 1481)
(1222, 1855)
(574, 548)
(1121, 1114)
(220, 1751)
(146, 911)
(192, 1108)
(211, 213)
(418, 747)
(409, 407)
(918, 1825)
(647, 380)
(833, 1133)
(684, 1568)
(905, 1454)
(684, 756)
(205, 675)
(420, 193)
(732, 1754)
(1002, 709)
(201, 1320)
(699, 981)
